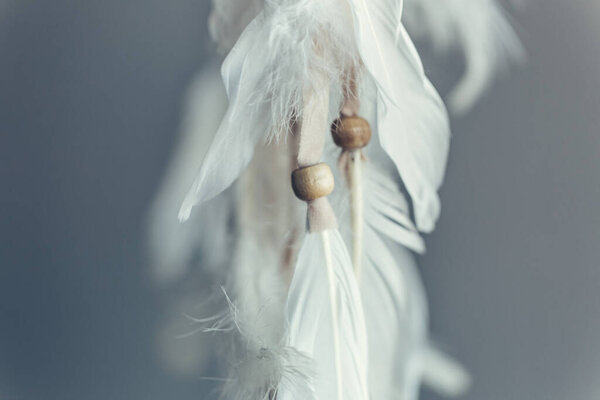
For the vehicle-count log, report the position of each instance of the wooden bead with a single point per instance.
(311, 183)
(351, 132)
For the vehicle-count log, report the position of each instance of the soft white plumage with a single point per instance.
(266, 96)
(266, 73)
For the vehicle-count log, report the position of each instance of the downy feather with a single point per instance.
(255, 352)
(270, 225)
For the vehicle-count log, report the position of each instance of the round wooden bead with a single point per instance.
(311, 183)
(351, 132)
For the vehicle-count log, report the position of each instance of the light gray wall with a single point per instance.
(89, 101)
(513, 270)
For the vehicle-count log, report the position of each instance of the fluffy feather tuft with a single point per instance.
(275, 60)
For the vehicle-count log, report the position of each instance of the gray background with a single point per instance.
(90, 96)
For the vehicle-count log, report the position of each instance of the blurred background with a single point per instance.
(90, 105)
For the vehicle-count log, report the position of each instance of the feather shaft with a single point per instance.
(334, 311)
(355, 181)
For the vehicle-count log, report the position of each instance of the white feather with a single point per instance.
(386, 210)
(401, 357)
(233, 145)
(312, 326)
(480, 28)
(394, 316)
(413, 125)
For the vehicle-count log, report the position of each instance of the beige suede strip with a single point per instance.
(313, 130)
(314, 125)
(320, 215)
